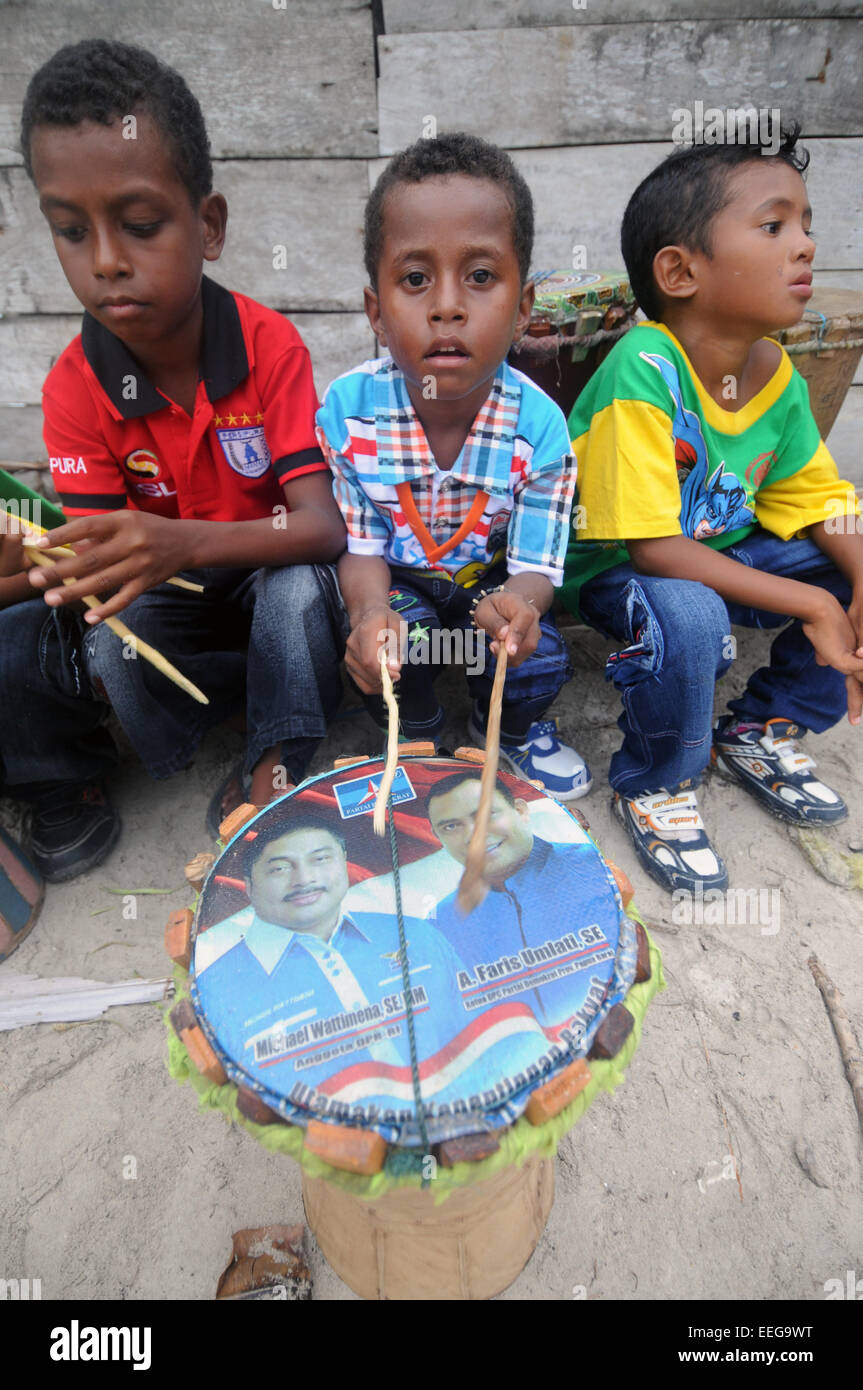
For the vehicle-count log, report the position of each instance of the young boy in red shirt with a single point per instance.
(180, 429)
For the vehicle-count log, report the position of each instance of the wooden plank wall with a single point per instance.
(581, 93)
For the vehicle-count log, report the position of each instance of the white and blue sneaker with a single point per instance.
(542, 758)
(767, 762)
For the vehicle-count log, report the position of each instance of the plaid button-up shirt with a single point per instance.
(517, 450)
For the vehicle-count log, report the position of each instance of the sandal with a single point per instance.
(232, 792)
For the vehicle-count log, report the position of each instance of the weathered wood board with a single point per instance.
(419, 17)
(312, 208)
(291, 82)
(31, 344)
(607, 83)
(580, 193)
(21, 435)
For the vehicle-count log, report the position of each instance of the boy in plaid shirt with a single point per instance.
(452, 470)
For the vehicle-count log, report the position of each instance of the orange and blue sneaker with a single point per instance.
(765, 760)
(670, 840)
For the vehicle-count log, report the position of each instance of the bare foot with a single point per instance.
(268, 778)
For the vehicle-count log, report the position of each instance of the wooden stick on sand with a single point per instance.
(379, 819)
(848, 1047)
(143, 649)
(473, 888)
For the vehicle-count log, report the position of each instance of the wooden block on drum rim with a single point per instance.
(251, 1107)
(178, 936)
(350, 761)
(612, 1032)
(470, 755)
(420, 748)
(642, 964)
(183, 1017)
(239, 817)
(356, 1150)
(202, 1056)
(623, 881)
(548, 1100)
(467, 1148)
(197, 869)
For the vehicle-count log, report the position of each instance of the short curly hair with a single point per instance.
(676, 204)
(458, 153)
(100, 80)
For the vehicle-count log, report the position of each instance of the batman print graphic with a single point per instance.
(711, 501)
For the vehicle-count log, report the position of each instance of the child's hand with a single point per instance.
(512, 619)
(126, 552)
(837, 642)
(376, 627)
(13, 558)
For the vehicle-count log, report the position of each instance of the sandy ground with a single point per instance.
(727, 1167)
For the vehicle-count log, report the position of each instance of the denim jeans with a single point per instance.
(680, 630)
(270, 638)
(267, 640)
(430, 602)
(51, 722)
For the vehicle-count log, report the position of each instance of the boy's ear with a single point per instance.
(525, 309)
(214, 216)
(373, 314)
(675, 273)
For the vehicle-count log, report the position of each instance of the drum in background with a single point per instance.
(396, 1077)
(577, 318)
(825, 347)
(21, 894)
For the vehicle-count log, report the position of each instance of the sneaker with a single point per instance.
(767, 762)
(670, 840)
(72, 829)
(542, 758)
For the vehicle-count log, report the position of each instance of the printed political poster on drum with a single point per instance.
(302, 986)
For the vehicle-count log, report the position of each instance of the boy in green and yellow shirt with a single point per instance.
(707, 498)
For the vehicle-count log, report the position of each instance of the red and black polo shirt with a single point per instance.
(115, 441)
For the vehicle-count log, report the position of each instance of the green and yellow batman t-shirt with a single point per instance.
(657, 456)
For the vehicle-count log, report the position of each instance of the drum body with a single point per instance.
(404, 1246)
(577, 318)
(825, 347)
(421, 1065)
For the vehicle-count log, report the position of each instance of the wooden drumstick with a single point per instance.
(143, 648)
(379, 819)
(473, 888)
(65, 551)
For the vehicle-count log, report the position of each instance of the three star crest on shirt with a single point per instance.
(246, 450)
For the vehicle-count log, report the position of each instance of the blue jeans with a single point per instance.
(267, 640)
(430, 602)
(681, 632)
(269, 637)
(51, 721)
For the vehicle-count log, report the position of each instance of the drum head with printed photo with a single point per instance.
(301, 985)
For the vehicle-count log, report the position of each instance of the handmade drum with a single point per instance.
(402, 1051)
(825, 347)
(578, 315)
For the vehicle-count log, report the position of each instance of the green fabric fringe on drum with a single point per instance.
(517, 1144)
